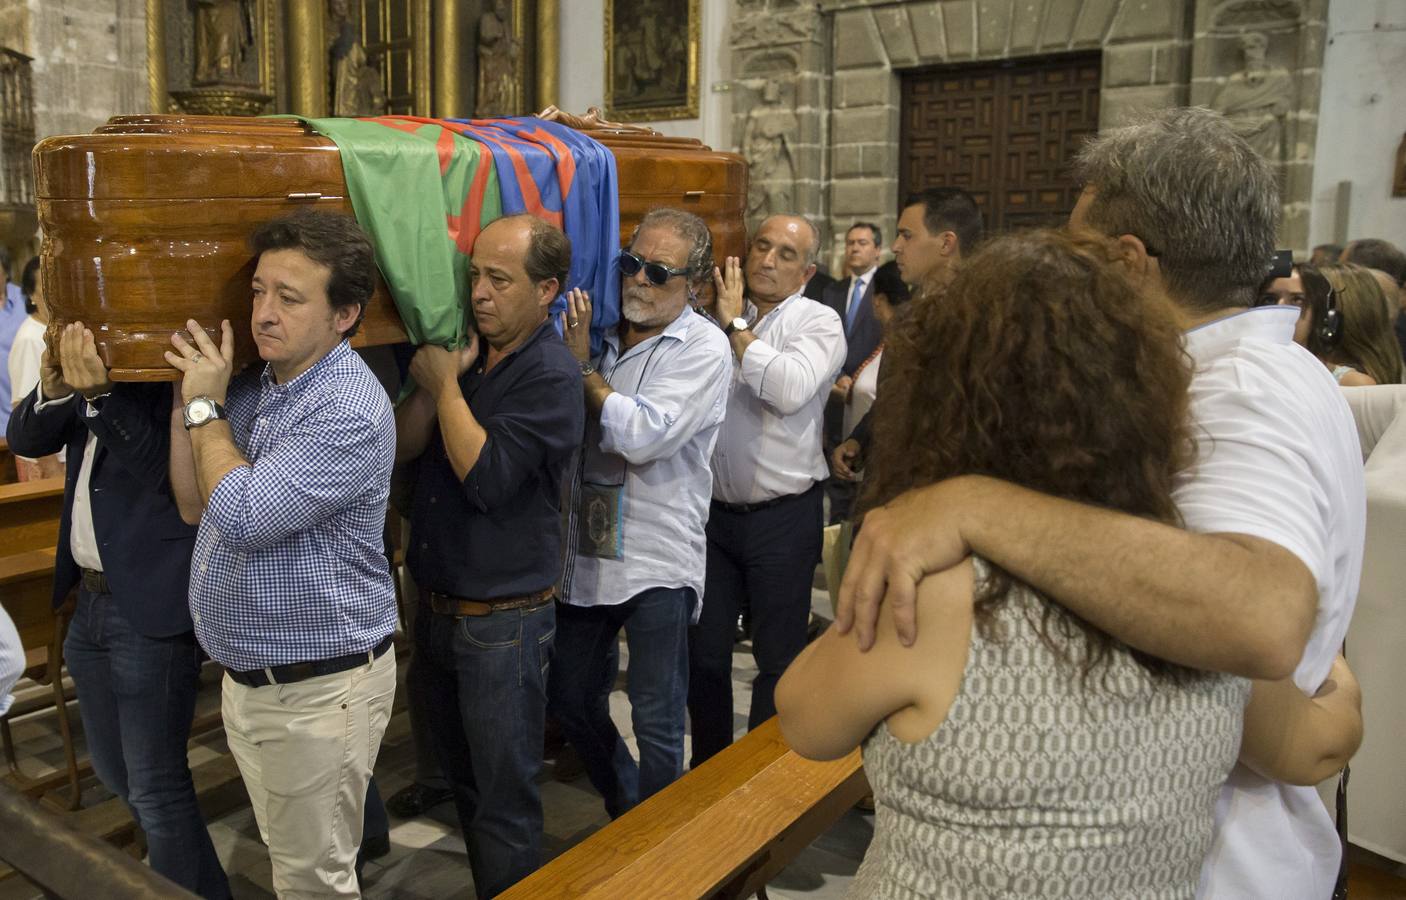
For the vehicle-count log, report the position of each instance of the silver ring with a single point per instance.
(574, 324)
(197, 357)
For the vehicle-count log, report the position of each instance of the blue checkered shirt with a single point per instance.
(289, 563)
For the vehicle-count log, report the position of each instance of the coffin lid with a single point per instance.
(176, 157)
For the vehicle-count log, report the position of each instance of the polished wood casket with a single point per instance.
(146, 221)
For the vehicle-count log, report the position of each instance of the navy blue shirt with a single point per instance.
(498, 532)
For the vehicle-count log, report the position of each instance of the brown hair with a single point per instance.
(329, 239)
(1039, 364)
(1368, 341)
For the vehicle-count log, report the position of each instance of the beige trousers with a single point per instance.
(306, 751)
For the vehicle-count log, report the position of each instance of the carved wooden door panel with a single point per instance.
(1005, 132)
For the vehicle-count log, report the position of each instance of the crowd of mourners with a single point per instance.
(1105, 490)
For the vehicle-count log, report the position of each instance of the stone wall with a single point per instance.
(89, 62)
(1156, 53)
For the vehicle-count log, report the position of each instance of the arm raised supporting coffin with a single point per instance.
(146, 221)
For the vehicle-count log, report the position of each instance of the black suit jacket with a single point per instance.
(866, 333)
(144, 543)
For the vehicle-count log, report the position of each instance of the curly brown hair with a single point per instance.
(1041, 365)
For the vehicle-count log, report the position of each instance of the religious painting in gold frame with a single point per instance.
(651, 59)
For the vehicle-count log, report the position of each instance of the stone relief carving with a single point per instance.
(356, 86)
(1257, 13)
(766, 30)
(1257, 98)
(497, 62)
(766, 143)
(224, 31)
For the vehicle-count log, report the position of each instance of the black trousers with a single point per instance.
(765, 558)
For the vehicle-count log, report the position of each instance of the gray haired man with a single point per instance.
(655, 399)
(1263, 579)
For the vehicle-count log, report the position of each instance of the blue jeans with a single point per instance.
(484, 680)
(136, 695)
(587, 657)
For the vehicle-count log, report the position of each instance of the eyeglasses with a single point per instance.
(656, 273)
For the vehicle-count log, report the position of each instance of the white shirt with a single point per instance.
(11, 659)
(25, 354)
(657, 432)
(1279, 459)
(770, 441)
(82, 539)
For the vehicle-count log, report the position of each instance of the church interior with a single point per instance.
(143, 141)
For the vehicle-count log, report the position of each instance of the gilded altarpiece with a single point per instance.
(351, 57)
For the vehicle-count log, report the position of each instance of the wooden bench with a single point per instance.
(29, 515)
(723, 830)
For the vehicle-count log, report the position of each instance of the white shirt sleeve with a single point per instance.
(11, 659)
(686, 396)
(787, 377)
(1256, 472)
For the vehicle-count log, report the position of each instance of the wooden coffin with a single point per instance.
(146, 221)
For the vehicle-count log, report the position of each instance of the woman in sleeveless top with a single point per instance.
(1015, 750)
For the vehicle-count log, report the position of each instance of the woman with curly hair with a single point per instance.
(1016, 750)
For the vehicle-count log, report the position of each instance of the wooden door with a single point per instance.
(1005, 132)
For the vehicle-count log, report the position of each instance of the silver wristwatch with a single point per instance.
(202, 411)
(587, 369)
(737, 324)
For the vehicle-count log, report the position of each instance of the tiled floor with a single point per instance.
(427, 858)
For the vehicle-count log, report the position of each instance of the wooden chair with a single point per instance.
(723, 830)
(26, 586)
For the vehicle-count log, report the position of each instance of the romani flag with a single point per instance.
(425, 188)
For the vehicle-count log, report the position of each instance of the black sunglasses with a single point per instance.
(657, 273)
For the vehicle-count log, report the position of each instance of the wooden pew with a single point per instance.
(29, 515)
(723, 830)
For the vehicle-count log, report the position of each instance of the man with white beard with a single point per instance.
(655, 399)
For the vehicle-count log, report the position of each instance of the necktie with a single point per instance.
(854, 298)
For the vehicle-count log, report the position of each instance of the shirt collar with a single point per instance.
(312, 376)
(867, 275)
(675, 330)
(1269, 323)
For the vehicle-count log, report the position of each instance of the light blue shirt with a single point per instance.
(12, 316)
(655, 436)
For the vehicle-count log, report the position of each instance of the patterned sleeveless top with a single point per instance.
(1039, 785)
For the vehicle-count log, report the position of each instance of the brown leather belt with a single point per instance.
(93, 581)
(446, 605)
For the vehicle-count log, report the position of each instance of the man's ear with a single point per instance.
(1132, 252)
(950, 245)
(344, 317)
(547, 291)
(810, 273)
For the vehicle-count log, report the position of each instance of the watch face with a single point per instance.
(739, 324)
(199, 411)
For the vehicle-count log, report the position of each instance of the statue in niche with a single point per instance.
(766, 143)
(356, 85)
(497, 62)
(1257, 99)
(224, 31)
